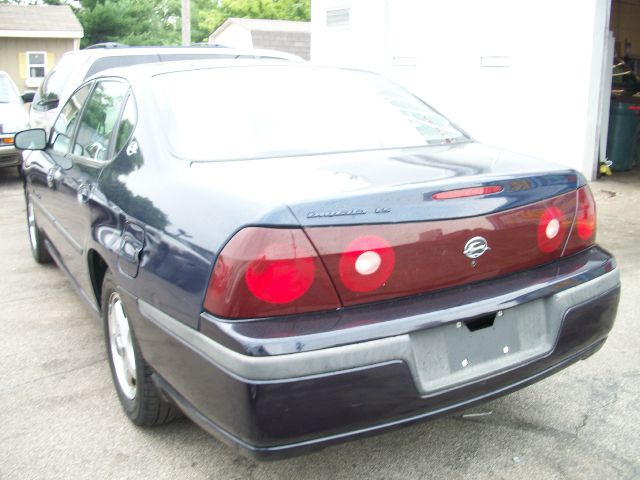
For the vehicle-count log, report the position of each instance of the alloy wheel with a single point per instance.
(121, 343)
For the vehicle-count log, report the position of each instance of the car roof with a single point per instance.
(214, 49)
(146, 70)
(96, 60)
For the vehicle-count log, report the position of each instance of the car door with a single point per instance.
(91, 147)
(46, 167)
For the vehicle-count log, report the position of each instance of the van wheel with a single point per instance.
(140, 399)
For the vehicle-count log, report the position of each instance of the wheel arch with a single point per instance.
(97, 269)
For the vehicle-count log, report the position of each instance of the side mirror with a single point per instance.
(34, 139)
(27, 97)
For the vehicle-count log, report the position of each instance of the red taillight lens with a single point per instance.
(586, 215)
(583, 234)
(266, 272)
(552, 229)
(282, 274)
(366, 263)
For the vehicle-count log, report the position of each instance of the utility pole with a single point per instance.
(186, 22)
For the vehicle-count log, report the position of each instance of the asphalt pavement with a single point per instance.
(60, 417)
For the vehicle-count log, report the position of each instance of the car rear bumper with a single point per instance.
(274, 405)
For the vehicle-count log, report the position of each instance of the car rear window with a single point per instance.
(265, 111)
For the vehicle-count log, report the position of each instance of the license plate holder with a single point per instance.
(460, 352)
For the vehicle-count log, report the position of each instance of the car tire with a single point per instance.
(36, 238)
(139, 397)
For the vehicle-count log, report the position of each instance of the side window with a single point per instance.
(62, 131)
(105, 63)
(99, 120)
(127, 124)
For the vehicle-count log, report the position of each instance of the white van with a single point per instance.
(76, 66)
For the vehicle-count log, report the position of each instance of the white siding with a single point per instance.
(539, 92)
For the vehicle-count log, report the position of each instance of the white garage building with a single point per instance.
(532, 76)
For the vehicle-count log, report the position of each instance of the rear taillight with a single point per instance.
(583, 234)
(552, 229)
(366, 263)
(268, 271)
(280, 274)
(264, 272)
(586, 215)
(369, 263)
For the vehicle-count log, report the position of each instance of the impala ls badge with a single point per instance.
(476, 247)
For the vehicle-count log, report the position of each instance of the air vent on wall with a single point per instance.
(338, 17)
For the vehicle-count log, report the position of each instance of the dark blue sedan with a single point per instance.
(295, 255)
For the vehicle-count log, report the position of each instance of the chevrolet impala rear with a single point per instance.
(320, 256)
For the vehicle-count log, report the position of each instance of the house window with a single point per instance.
(36, 64)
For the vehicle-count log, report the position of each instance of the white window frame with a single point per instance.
(30, 65)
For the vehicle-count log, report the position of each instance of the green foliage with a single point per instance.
(32, 2)
(211, 18)
(200, 33)
(157, 22)
(133, 22)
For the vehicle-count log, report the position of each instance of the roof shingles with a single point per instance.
(39, 18)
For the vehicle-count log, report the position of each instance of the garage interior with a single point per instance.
(625, 25)
(623, 145)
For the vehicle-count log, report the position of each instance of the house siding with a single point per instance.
(12, 52)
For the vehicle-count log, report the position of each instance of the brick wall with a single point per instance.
(297, 43)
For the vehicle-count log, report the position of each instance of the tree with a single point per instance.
(211, 18)
(157, 22)
(132, 22)
(33, 2)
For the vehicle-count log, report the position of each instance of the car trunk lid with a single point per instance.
(386, 261)
(403, 223)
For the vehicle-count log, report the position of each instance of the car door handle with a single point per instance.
(53, 176)
(84, 192)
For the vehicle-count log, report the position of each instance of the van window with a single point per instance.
(62, 131)
(50, 90)
(105, 63)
